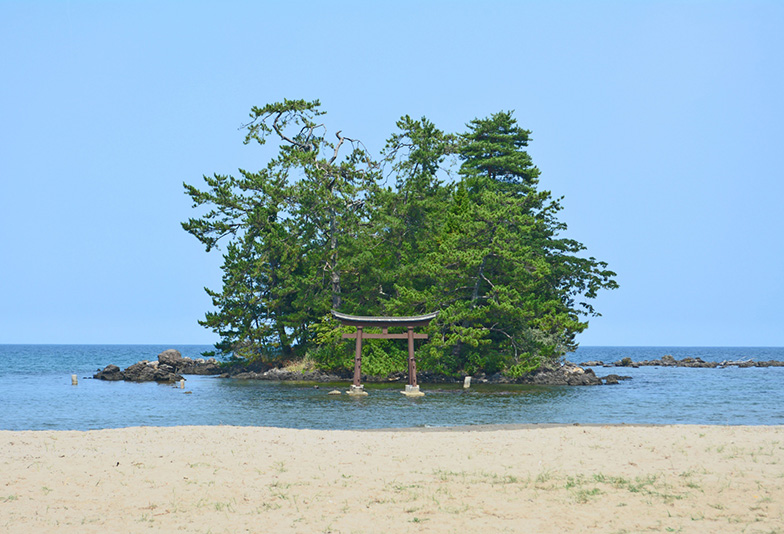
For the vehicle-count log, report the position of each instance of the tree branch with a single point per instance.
(337, 147)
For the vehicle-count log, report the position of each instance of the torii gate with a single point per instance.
(412, 389)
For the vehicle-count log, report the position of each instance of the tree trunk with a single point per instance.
(333, 262)
(285, 342)
(475, 295)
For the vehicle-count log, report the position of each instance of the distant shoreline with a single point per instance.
(494, 427)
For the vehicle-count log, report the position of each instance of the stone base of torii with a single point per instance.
(362, 322)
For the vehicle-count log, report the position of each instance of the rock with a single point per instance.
(169, 367)
(191, 367)
(595, 363)
(279, 374)
(428, 377)
(250, 375)
(110, 372)
(696, 362)
(149, 372)
(614, 379)
(769, 363)
(139, 372)
(499, 378)
(578, 376)
(188, 366)
(729, 363)
(668, 360)
(170, 357)
(568, 374)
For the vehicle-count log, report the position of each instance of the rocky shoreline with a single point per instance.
(567, 374)
(171, 366)
(669, 361)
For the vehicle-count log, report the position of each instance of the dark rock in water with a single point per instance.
(151, 372)
(669, 361)
(614, 379)
(769, 363)
(170, 357)
(595, 363)
(737, 363)
(169, 368)
(110, 372)
(568, 374)
(577, 376)
(201, 366)
(696, 362)
(140, 372)
(188, 366)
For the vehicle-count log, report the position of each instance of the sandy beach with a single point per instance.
(499, 479)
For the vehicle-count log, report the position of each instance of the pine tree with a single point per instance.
(291, 229)
(514, 282)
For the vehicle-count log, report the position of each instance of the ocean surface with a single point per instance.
(36, 394)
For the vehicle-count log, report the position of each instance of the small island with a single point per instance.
(453, 222)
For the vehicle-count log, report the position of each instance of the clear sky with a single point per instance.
(661, 123)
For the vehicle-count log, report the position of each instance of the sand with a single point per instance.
(524, 479)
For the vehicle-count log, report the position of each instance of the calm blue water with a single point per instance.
(36, 394)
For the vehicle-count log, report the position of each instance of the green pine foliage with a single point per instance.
(448, 222)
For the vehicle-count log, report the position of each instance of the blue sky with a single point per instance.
(661, 123)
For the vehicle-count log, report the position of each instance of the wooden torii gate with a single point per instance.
(409, 323)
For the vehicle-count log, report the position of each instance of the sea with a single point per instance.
(36, 393)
